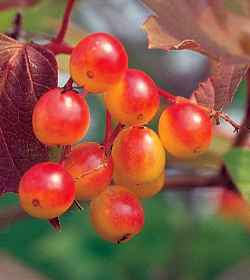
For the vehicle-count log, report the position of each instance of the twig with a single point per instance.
(182, 182)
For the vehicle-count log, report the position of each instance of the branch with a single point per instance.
(65, 22)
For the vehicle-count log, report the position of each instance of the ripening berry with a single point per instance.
(185, 130)
(90, 168)
(141, 190)
(116, 214)
(98, 61)
(60, 118)
(46, 190)
(134, 100)
(138, 154)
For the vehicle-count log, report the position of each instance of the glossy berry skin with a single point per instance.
(141, 190)
(90, 168)
(138, 154)
(98, 61)
(60, 118)
(185, 130)
(46, 190)
(116, 214)
(134, 100)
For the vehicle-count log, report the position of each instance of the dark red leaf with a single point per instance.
(204, 26)
(8, 4)
(26, 71)
(221, 87)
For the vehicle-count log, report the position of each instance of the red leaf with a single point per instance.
(204, 26)
(8, 4)
(26, 71)
(221, 87)
(226, 79)
(205, 94)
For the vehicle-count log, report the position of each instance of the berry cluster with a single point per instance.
(135, 158)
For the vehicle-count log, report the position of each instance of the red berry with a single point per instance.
(60, 118)
(46, 190)
(91, 169)
(134, 100)
(138, 154)
(141, 190)
(185, 130)
(98, 61)
(116, 214)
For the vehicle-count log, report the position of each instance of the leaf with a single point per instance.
(205, 94)
(204, 26)
(237, 163)
(26, 71)
(221, 87)
(8, 4)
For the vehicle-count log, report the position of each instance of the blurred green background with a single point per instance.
(183, 237)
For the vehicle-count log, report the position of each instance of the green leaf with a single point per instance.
(238, 163)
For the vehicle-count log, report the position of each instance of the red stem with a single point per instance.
(108, 128)
(65, 22)
(112, 137)
(167, 95)
(59, 48)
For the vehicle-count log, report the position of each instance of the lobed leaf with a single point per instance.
(204, 26)
(221, 87)
(237, 162)
(26, 71)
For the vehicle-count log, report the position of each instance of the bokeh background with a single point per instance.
(184, 236)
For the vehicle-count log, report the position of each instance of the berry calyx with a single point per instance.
(134, 100)
(98, 61)
(46, 190)
(185, 130)
(90, 168)
(138, 154)
(116, 214)
(60, 117)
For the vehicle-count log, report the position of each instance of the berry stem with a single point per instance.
(59, 48)
(57, 45)
(65, 22)
(167, 95)
(108, 128)
(111, 139)
(68, 85)
(78, 205)
(65, 151)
